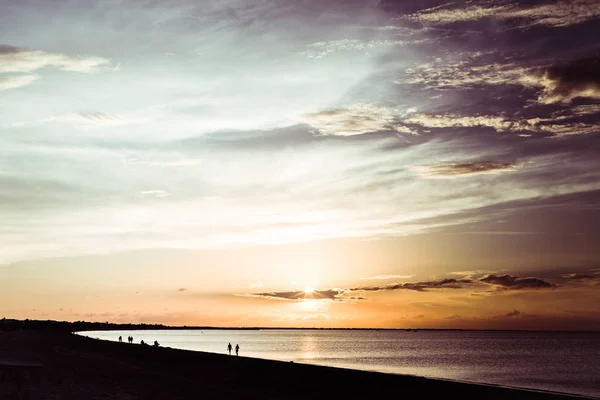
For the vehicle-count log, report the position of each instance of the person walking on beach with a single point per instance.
(237, 349)
(120, 339)
(229, 348)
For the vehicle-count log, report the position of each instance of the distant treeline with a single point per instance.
(15, 324)
(7, 324)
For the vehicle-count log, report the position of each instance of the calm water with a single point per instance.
(564, 362)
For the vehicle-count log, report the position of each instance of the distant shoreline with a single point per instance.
(7, 324)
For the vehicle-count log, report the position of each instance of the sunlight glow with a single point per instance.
(308, 290)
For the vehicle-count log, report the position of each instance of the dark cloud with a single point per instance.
(339, 294)
(512, 314)
(510, 282)
(592, 277)
(464, 169)
(5, 49)
(564, 82)
(419, 286)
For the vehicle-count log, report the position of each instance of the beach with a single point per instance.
(56, 364)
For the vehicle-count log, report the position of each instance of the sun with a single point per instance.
(308, 290)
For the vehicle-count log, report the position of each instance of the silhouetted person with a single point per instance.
(120, 338)
(237, 349)
(156, 343)
(129, 339)
(143, 343)
(229, 348)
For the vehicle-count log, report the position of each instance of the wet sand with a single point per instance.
(60, 365)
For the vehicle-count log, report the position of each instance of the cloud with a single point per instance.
(156, 193)
(557, 126)
(513, 314)
(470, 72)
(564, 82)
(498, 123)
(503, 282)
(329, 294)
(455, 170)
(383, 277)
(15, 81)
(578, 277)
(352, 120)
(585, 109)
(90, 119)
(588, 278)
(322, 49)
(556, 14)
(181, 162)
(467, 273)
(509, 282)
(181, 290)
(13, 59)
(419, 286)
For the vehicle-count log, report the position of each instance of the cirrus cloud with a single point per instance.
(556, 14)
(14, 59)
(15, 81)
(454, 170)
(354, 119)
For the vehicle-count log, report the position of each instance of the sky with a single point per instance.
(373, 164)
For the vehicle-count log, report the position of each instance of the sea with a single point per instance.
(567, 362)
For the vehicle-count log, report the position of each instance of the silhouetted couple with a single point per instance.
(237, 349)
(129, 339)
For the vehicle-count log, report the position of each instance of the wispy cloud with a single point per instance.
(330, 294)
(473, 71)
(468, 273)
(13, 59)
(90, 119)
(419, 286)
(454, 170)
(322, 49)
(384, 277)
(155, 193)
(15, 81)
(555, 14)
(352, 120)
(497, 123)
(180, 162)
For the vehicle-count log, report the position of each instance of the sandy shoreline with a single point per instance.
(59, 365)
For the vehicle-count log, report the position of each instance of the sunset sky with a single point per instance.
(309, 163)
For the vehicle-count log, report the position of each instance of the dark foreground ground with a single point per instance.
(60, 365)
